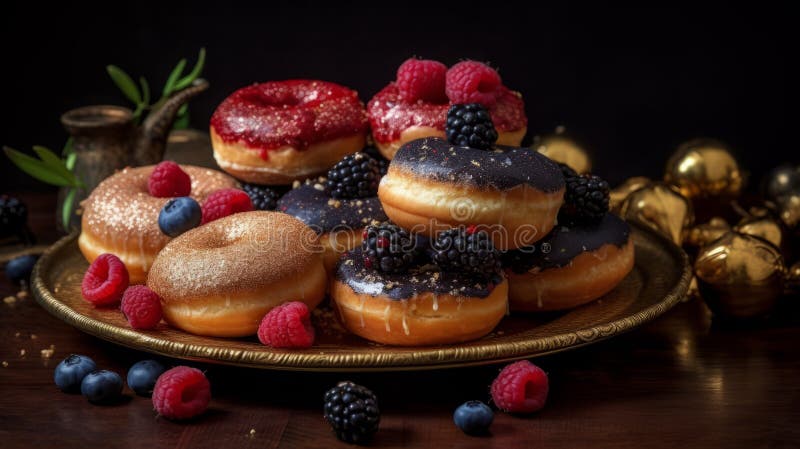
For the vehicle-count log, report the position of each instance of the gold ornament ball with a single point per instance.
(789, 209)
(793, 278)
(705, 233)
(564, 150)
(660, 208)
(704, 168)
(739, 275)
(780, 181)
(618, 194)
(766, 228)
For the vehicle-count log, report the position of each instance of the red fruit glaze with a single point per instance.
(421, 79)
(169, 180)
(287, 326)
(181, 393)
(521, 387)
(294, 113)
(141, 306)
(389, 116)
(105, 280)
(225, 202)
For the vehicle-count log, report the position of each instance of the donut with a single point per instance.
(395, 122)
(571, 266)
(433, 185)
(121, 217)
(276, 132)
(220, 279)
(338, 222)
(421, 307)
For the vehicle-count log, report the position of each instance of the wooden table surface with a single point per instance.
(683, 381)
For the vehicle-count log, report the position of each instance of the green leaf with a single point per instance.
(125, 83)
(70, 161)
(196, 71)
(67, 207)
(169, 87)
(54, 163)
(145, 91)
(36, 168)
(69, 147)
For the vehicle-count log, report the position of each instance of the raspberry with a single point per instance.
(168, 180)
(421, 79)
(141, 306)
(521, 387)
(287, 326)
(105, 280)
(225, 202)
(181, 393)
(473, 82)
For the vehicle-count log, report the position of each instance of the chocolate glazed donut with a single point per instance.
(432, 185)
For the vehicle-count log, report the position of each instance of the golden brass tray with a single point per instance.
(658, 281)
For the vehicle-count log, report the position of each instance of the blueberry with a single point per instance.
(71, 371)
(101, 387)
(473, 417)
(179, 215)
(19, 268)
(143, 375)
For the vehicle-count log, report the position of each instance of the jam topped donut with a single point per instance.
(277, 132)
(340, 206)
(416, 104)
(433, 184)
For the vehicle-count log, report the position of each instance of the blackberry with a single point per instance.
(466, 250)
(263, 198)
(13, 216)
(388, 248)
(585, 201)
(567, 171)
(352, 411)
(470, 125)
(355, 176)
(383, 163)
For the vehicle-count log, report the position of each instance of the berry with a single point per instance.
(225, 202)
(355, 176)
(567, 171)
(521, 387)
(142, 376)
(383, 163)
(352, 411)
(70, 372)
(13, 215)
(585, 200)
(421, 79)
(181, 393)
(101, 387)
(465, 249)
(388, 248)
(263, 198)
(179, 215)
(470, 125)
(105, 280)
(473, 417)
(141, 306)
(168, 179)
(287, 326)
(19, 268)
(473, 82)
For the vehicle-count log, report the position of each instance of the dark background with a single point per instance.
(630, 83)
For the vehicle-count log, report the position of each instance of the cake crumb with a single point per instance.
(10, 299)
(47, 353)
(16, 335)
(34, 337)
(295, 184)
(5, 364)
(22, 352)
(22, 294)
(252, 432)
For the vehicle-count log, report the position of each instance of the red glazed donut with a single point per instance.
(280, 131)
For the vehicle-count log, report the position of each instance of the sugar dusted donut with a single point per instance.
(220, 279)
(406, 110)
(421, 307)
(571, 266)
(121, 217)
(433, 185)
(277, 132)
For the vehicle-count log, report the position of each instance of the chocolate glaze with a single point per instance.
(311, 205)
(502, 168)
(419, 279)
(565, 243)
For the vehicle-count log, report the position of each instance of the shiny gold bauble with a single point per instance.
(789, 209)
(781, 181)
(705, 233)
(618, 194)
(704, 168)
(766, 228)
(740, 275)
(793, 279)
(659, 208)
(565, 150)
